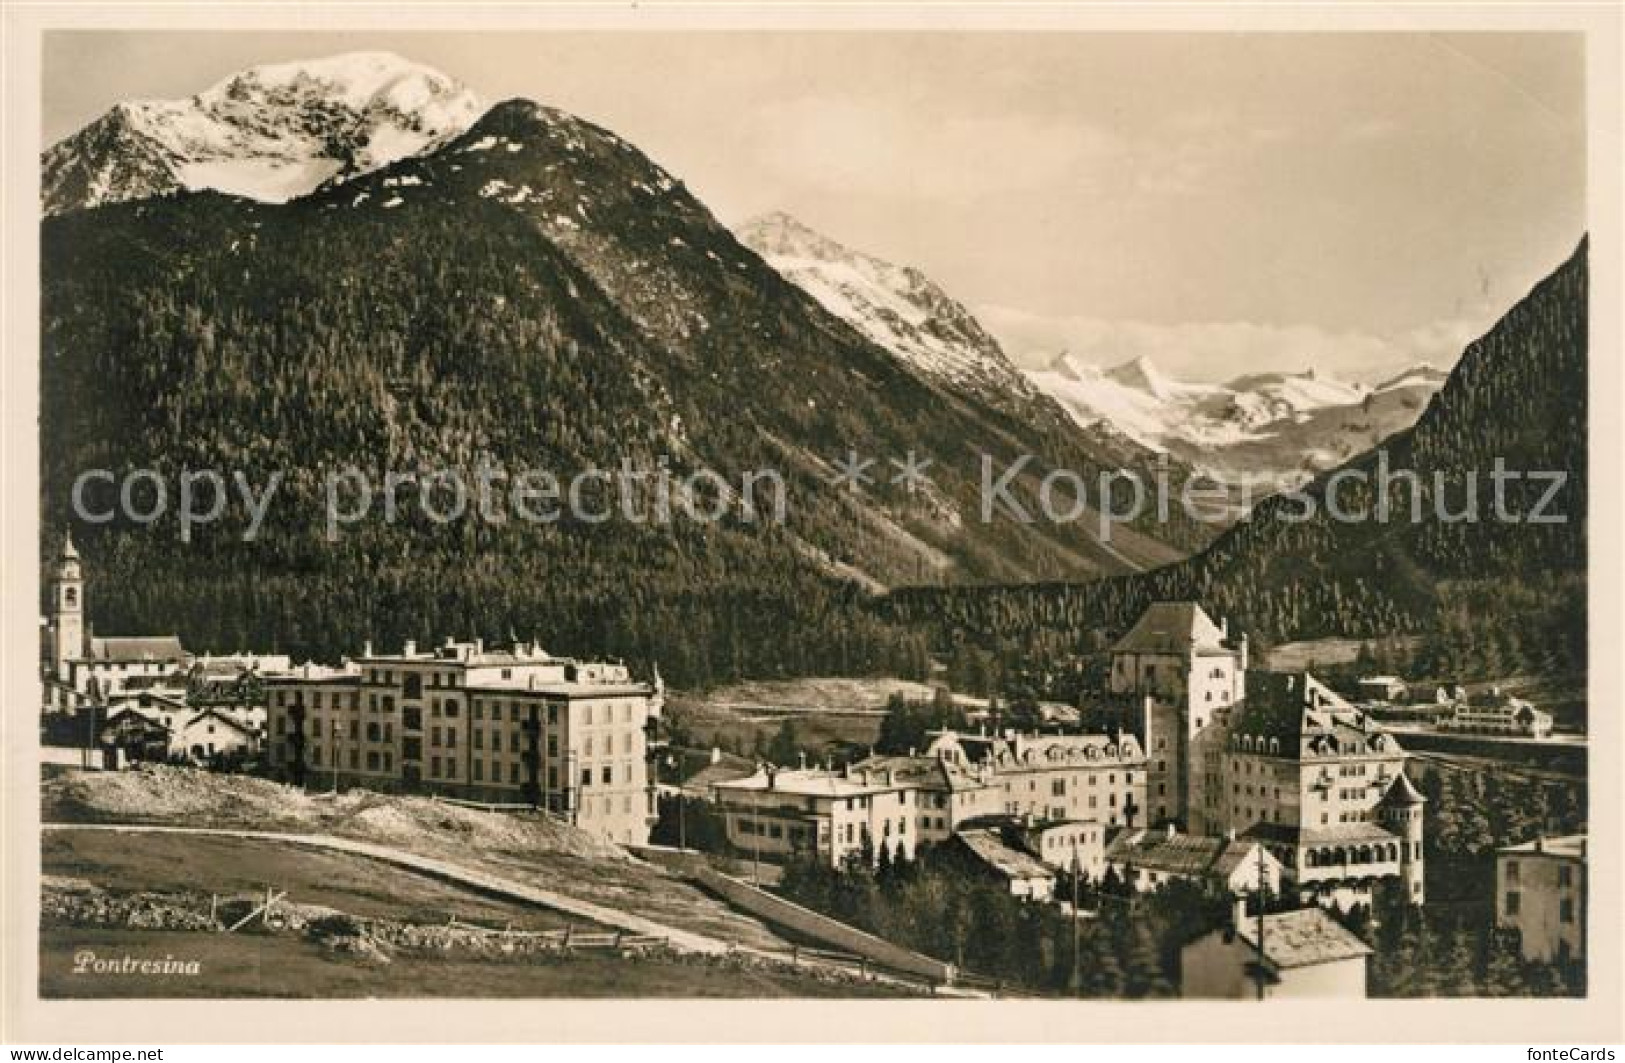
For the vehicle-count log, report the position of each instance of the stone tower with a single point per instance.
(67, 620)
(1401, 812)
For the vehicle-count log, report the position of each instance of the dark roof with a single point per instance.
(1171, 627)
(137, 648)
(1403, 794)
(989, 848)
(1178, 854)
(1305, 719)
(1303, 938)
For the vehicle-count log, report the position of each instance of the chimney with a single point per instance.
(410, 649)
(1170, 832)
(366, 648)
(772, 776)
(1540, 844)
(1238, 911)
(716, 755)
(802, 756)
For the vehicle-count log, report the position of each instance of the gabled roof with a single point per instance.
(989, 848)
(213, 714)
(1179, 854)
(1172, 627)
(1303, 938)
(926, 772)
(136, 648)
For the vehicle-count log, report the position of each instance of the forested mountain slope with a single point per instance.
(535, 293)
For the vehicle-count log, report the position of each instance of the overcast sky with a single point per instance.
(1218, 202)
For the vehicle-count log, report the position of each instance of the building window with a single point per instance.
(1565, 876)
(1565, 910)
(1513, 902)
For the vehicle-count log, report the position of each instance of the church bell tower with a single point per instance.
(67, 608)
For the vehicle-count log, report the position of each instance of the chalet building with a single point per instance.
(1302, 954)
(1540, 891)
(499, 725)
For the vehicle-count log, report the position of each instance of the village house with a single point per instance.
(1305, 954)
(985, 851)
(834, 815)
(1148, 859)
(1540, 891)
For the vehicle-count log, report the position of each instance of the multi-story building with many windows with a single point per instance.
(498, 725)
(903, 802)
(1323, 787)
(1540, 891)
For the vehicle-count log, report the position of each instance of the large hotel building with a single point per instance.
(503, 726)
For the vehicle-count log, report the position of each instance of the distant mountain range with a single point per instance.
(1294, 569)
(1264, 428)
(1279, 428)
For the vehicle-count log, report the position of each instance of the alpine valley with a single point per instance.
(320, 265)
(352, 262)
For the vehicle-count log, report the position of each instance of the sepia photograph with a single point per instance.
(938, 515)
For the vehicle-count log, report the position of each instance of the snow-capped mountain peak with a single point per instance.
(897, 307)
(268, 133)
